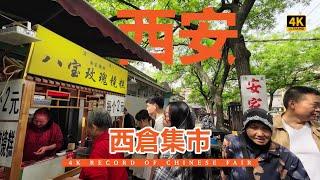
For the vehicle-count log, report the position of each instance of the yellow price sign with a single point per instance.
(58, 58)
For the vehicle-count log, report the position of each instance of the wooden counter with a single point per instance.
(71, 173)
(46, 169)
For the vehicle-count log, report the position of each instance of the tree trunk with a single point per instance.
(242, 55)
(209, 106)
(238, 46)
(212, 113)
(270, 102)
(219, 110)
(218, 95)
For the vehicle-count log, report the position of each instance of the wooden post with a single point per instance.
(84, 126)
(27, 98)
(121, 121)
(6, 173)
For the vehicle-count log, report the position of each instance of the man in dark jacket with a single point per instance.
(128, 119)
(275, 161)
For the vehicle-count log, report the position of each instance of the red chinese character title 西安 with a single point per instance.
(152, 28)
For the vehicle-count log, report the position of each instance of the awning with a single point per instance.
(77, 21)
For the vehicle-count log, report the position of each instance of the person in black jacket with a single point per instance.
(128, 120)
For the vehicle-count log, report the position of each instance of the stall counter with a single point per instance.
(45, 169)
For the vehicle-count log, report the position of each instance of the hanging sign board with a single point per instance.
(58, 58)
(253, 92)
(115, 105)
(10, 100)
(8, 132)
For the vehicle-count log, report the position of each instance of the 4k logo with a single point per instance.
(296, 23)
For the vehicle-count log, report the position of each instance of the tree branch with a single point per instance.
(201, 84)
(167, 5)
(129, 4)
(243, 13)
(192, 26)
(146, 43)
(296, 75)
(219, 65)
(225, 71)
(204, 75)
(224, 7)
(181, 44)
(232, 79)
(116, 18)
(177, 17)
(235, 1)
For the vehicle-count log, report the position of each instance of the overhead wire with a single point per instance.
(313, 9)
(283, 40)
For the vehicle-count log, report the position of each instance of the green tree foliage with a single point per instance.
(207, 79)
(287, 63)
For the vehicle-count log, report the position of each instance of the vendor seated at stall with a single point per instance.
(43, 137)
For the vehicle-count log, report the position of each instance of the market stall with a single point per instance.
(68, 80)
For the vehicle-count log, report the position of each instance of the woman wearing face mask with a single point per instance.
(177, 114)
(275, 161)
